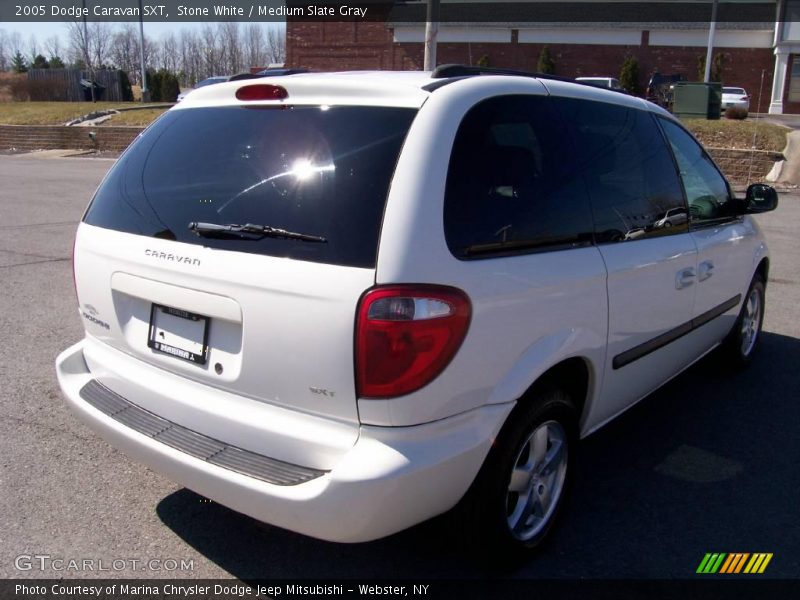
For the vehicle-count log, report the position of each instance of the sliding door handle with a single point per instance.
(685, 278)
(705, 270)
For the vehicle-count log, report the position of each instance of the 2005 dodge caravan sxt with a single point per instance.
(345, 303)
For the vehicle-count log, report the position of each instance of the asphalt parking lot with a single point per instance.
(707, 464)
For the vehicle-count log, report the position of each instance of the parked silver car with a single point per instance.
(207, 81)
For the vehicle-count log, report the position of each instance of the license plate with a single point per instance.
(179, 333)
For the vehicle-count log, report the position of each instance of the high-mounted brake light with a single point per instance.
(406, 335)
(261, 91)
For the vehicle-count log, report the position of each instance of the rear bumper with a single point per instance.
(391, 478)
(736, 104)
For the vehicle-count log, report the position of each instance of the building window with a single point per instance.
(791, 21)
(794, 80)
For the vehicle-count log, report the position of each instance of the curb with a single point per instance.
(788, 170)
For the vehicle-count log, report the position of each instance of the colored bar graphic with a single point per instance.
(753, 564)
(717, 564)
(723, 563)
(758, 563)
(703, 563)
(740, 564)
(766, 562)
(728, 563)
(711, 562)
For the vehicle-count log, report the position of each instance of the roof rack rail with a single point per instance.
(450, 73)
(453, 70)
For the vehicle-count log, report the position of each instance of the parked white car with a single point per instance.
(735, 97)
(385, 295)
(605, 82)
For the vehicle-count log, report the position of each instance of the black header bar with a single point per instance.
(411, 11)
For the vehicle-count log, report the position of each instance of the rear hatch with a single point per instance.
(262, 313)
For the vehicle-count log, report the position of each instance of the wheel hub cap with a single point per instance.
(751, 319)
(537, 480)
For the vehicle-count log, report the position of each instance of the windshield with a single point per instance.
(321, 171)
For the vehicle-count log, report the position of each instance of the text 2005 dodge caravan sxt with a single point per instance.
(345, 303)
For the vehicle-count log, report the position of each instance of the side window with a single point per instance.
(508, 188)
(706, 190)
(634, 188)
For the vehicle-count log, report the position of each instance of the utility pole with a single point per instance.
(431, 31)
(712, 30)
(86, 52)
(145, 91)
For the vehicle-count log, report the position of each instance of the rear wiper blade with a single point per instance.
(250, 231)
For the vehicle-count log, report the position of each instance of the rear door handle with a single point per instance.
(685, 278)
(705, 270)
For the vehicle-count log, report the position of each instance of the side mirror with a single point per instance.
(760, 198)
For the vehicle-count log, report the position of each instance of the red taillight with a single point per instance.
(406, 335)
(261, 91)
(744, 98)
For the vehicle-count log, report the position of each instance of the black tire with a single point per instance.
(486, 513)
(737, 348)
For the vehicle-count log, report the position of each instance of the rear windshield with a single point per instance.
(316, 170)
(732, 91)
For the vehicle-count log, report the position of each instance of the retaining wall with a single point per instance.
(55, 137)
(743, 167)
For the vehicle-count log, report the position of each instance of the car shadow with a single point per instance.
(704, 464)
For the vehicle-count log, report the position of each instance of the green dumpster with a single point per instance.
(697, 100)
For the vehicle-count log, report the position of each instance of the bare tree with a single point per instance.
(4, 52)
(211, 55)
(169, 54)
(53, 46)
(124, 50)
(90, 42)
(230, 46)
(33, 47)
(15, 42)
(189, 56)
(276, 44)
(100, 36)
(255, 45)
(79, 44)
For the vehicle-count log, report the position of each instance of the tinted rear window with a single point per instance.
(511, 187)
(314, 170)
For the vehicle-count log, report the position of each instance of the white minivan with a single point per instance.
(346, 303)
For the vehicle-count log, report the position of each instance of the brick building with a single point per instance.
(757, 55)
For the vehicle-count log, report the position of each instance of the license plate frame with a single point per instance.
(183, 334)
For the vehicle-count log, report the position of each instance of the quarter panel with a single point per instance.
(529, 313)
